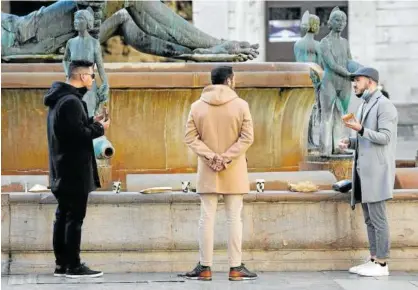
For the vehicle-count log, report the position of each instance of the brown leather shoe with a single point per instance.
(241, 273)
(200, 272)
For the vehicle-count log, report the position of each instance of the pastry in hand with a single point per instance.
(348, 117)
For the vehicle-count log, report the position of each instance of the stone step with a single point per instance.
(159, 232)
(182, 261)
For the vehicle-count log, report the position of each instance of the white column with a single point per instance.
(211, 17)
(362, 31)
(246, 23)
(362, 37)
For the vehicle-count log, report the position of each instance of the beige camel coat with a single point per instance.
(220, 123)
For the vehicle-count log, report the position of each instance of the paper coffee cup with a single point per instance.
(185, 186)
(260, 185)
(116, 186)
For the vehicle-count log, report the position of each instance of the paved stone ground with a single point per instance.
(325, 280)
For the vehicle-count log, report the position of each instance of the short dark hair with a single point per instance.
(220, 74)
(76, 64)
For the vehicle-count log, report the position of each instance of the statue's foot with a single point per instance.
(242, 44)
(213, 57)
(242, 51)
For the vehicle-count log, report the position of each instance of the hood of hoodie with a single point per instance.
(217, 95)
(59, 90)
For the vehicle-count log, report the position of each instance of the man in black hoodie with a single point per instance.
(72, 164)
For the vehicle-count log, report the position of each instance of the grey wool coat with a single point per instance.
(375, 151)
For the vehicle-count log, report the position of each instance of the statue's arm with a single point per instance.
(296, 52)
(104, 89)
(348, 51)
(67, 58)
(329, 60)
(99, 62)
(319, 56)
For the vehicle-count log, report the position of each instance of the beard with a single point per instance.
(360, 94)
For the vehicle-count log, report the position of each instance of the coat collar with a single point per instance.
(370, 104)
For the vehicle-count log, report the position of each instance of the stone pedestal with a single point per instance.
(339, 165)
(105, 174)
(416, 160)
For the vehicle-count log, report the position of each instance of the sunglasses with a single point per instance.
(92, 75)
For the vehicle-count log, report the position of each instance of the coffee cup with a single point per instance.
(185, 186)
(116, 187)
(260, 185)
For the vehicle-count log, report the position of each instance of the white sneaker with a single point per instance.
(355, 269)
(374, 270)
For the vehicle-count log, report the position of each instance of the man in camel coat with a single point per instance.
(220, 131)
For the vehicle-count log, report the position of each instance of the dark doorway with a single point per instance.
(283, 25)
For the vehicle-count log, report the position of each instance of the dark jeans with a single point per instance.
(69, 217)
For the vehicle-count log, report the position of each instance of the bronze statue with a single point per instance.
(307, 49)
(41, 32)
(335, 90)
(86, 47)
(148, 26)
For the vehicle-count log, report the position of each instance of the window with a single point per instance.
(284, 24)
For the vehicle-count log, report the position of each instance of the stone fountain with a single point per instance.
(148, 106)
(148, 103)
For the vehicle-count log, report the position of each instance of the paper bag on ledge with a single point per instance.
(304, 186)
(39, 188)
(156, 190)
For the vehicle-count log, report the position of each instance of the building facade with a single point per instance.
(382, 34)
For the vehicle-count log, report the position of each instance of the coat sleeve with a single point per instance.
(245, 139)
(353, 143)
(387, 117)
(192, 139)
(71, 122)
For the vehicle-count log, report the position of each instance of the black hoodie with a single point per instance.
(72, 165)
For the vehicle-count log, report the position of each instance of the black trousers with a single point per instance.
(69, 218)
(358, 193)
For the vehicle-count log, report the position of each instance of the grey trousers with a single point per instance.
(377, 228)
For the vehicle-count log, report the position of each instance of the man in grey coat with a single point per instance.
(374, 166)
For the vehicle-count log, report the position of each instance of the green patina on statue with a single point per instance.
(148, 26)
(86, 47)
(333, 92)
(307, 49)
